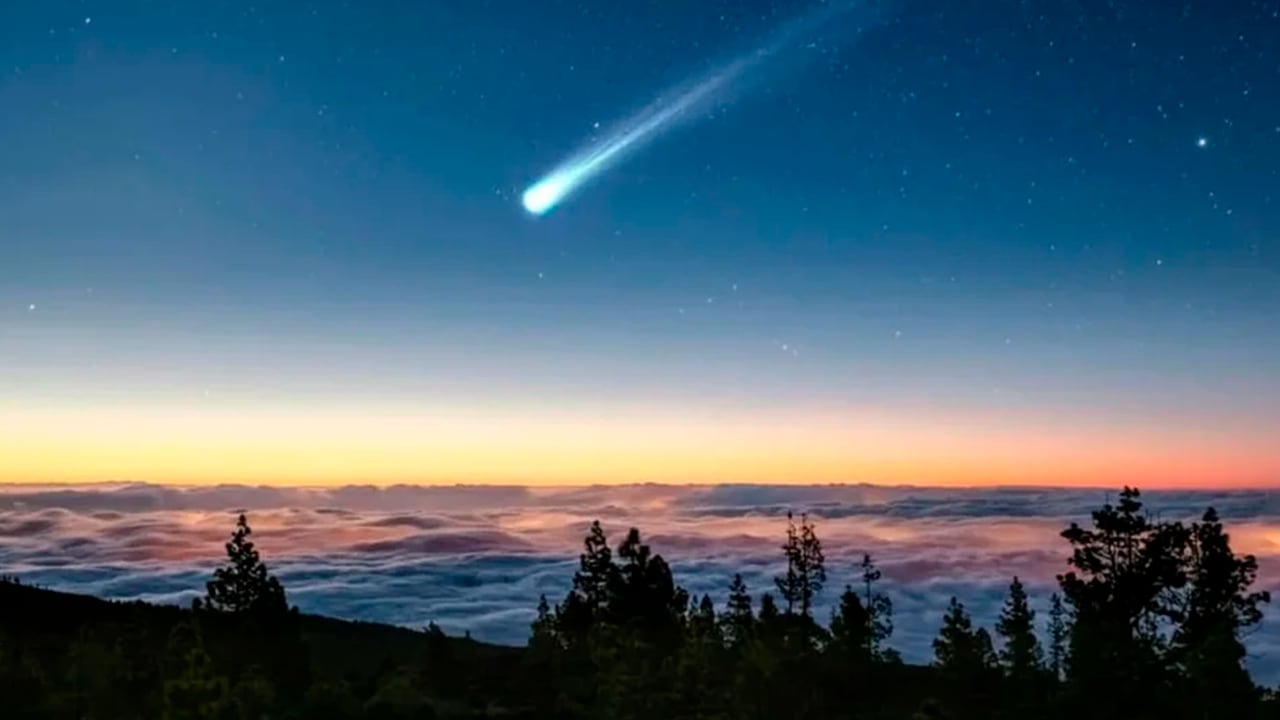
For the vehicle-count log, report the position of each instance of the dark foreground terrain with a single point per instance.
(1148, 624)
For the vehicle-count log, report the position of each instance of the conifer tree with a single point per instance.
(959, 648)
(738, 620)
(588, 600)
(1020, 655)
(806, 567)
(1058, 632)
(1218, 607)
(543, 629)
(1127, 574)
(596, 571)
(244, 585)
(879, 613)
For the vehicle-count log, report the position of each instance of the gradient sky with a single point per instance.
(1036, 242)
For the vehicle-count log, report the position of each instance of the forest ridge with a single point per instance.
(1147, 622)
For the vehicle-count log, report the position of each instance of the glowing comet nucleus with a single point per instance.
(564, 179)
(550, 190)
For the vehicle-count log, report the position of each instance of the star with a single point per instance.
(31, 307)
(1202, 142)
(88, 20)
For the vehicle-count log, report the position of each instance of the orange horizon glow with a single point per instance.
(549, 448)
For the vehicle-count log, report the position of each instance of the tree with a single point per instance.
(858, 634)
(879, 613)
(768, 610)
(806, 567)
(596, 570)
(1217, 609)
(966, 662)
(1020, 655)
(1123, 591)
(542, 632)
(244, 585)
(1058, 631)
(959, 649)
(588, 600)
(644, 592)
(738, 621)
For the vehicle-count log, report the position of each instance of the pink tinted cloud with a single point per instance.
(478, 558)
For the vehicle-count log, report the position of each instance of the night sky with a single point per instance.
(928, 242)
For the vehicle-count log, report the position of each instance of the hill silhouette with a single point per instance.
(1148, 624)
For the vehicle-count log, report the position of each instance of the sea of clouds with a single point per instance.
(477, 558)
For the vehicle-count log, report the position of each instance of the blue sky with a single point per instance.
(1041, 208)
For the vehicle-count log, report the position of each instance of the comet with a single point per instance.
(662, 114)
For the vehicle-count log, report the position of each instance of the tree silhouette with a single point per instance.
(542, 631)
(738, 621)
(244, 585)
(862, 621)
(966, 661)
(1218, 608)
(588, 600)
(1058, 632)
(768, 610)
(879, 613)
(1020, 655)
(959, 648)
(1122, 591)
(596, 570)
(806, 567)
(643, 592)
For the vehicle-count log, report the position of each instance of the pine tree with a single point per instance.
(862, 622)
(1021, 655)
(738, 621)
(959, 648)
(848, 626)
(703, 625)
(768, 611)
(588, 601)
(1058, 632)
(543, 629)
(643, 592)
(596, 571)
(1127, 572)
(244, 585)
(806, 567)
(816, 564)
(966, 663)
(879, 613)
(788, 584)
(1218, 607)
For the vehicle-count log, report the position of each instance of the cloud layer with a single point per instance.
(477, 558)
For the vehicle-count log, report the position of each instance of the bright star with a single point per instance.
(1202, 142)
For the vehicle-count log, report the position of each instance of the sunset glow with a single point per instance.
(333, 446)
